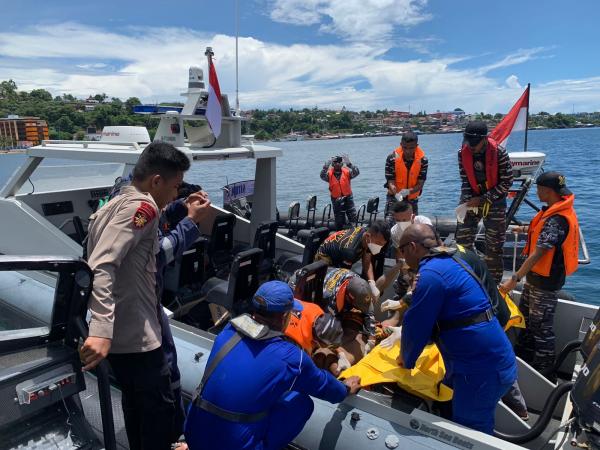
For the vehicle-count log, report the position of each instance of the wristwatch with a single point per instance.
(515, 277)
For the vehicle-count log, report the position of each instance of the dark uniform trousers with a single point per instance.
(390, 201)
(536, 343)
(147, 398)
(495, 234)
(344, 207)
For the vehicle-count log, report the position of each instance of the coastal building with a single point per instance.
(22, 132)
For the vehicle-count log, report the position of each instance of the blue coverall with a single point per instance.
(173, 242)
(270, 375)
(479, 359)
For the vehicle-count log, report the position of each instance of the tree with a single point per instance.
(8, 89)
(64, 124)
(130, 103)
(100, 97)
(41, 94)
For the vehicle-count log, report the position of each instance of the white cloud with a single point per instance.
(152, 64)
(513, 82)
(355, 20)
(92, 66)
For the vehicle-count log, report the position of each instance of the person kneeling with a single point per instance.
(256, 388)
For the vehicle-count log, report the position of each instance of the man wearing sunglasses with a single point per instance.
(486, 176)
(450, 305)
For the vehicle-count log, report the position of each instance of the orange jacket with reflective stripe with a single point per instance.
(570, 247)
(341, 187)
(491, 166)
(407, 179)
(300, 329)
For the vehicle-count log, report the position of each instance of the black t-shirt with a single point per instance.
(342, 249)
(553, 235)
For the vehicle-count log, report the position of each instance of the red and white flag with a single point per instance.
(515, 120)
(213, 108)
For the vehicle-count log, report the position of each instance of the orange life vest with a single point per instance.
(300, 329)
(407, 179)
(341, 187)
(491, 165)
(570, 247)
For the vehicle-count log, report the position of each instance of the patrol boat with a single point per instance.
(49, 403)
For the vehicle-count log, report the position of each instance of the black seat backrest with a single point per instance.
(293, 218)
(312, 244)
(311, 210)
(373, 209)
(243, 278)
(221, 239)
(192, 269)
(309, 282)
(264, 238)
(79, 229)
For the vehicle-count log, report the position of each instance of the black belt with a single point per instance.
(229, 415)
(445, 325)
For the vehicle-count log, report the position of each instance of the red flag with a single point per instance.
(515, 120)
(213, 108)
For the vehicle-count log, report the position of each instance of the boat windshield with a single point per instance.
(26, 303)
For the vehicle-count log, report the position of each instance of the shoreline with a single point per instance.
(360, 136)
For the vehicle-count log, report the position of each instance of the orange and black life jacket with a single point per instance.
(300, 328)
(405, 178)
(566, 257)
(341, 187)
(491, 166)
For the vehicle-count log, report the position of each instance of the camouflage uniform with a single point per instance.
(390, 175)
(494, 220)
(536, 342)
(342, 206)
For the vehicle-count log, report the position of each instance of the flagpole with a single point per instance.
(237, 33)
(527, 118)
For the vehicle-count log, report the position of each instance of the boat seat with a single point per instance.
(264, 239)
(327, 220)
(184, 279)
(220, 246)
(372, 208)
(288, 263)
(80, 232)
(293, 218)
(235, 292)
(309, 282)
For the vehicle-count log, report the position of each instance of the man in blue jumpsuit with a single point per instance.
(450, 304)
(256, 386)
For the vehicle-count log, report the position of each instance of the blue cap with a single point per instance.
(275, 296)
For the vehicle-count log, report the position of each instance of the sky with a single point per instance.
(407, 55)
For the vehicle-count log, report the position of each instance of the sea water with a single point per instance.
(573, 152)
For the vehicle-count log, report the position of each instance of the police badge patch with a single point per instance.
(144, 214)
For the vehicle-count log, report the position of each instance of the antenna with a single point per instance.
(237, 34)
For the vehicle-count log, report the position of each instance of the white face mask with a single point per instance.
(374, 248)
(403, 225)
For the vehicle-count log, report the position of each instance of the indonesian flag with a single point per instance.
(515, 120)
(213, 109)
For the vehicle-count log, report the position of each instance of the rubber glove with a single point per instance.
(343, 362)
(390, 305)
(405, 192)
(370, 345)
(398, 197)
(374, 291)
(345, 159)
(391, 340)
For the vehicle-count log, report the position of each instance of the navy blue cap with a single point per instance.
(275, 296)
(554, 180)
